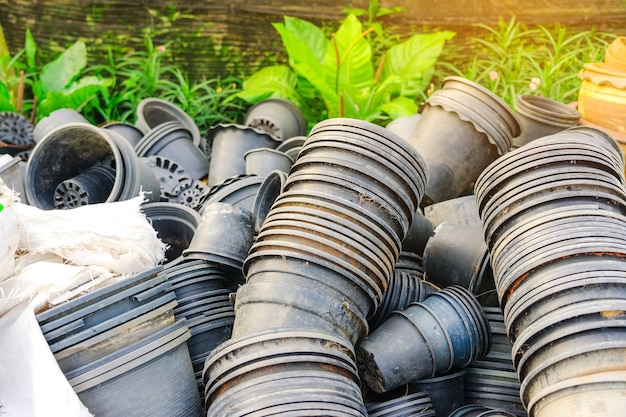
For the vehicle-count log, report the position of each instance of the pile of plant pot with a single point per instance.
(470, 266)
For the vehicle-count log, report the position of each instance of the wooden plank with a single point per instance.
(221, 38)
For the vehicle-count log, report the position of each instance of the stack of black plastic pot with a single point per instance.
(553, 218)
(122, 349)
(320, 264)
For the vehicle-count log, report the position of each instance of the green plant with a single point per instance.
(59, 83)
(148, 72)
(340, 72)
(513, 59)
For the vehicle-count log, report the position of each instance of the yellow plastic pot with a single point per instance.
(602, 96)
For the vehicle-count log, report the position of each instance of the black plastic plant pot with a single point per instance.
(12, 174)
(151, 112)
(348, 189)
(456, 255)
(447, 330)
(292, 146)
(333, 279)
(274, 300)
(404, 126)
(475, 410)
(542, 116)
(460, 210)
(271, 187)
(445, 391)
(161, 358)
(418, 234)
(99, 345)
(414, 404)
(228, 144)
(240, 191)
(404, 288)
(56, 119)
(175, 225)
(262, 161)
(336, 208)
(93, 185)
(73, 148)
(279, 117)
(128, 131)
(455, 152)
(302, 370)
(173, 140)
(343, 244)
(224, 236)
(582, 396)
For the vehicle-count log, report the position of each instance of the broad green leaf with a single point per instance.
(58, 74)
(414, 60)
(399, 107)
(348, 66)
(382, 93)
(31, 49)
(273, 81)
(309, 34)
(73, 97)
(305, 63)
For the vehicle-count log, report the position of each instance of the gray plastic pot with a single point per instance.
(463, 128)
(447, 330)
(228, 144)
(542, 116)
(173, 140)
(262, 161)
(224, 236)
(69, 150)
(151, 112)
(271, 187)
(55, 120)
(279, 117)
(162, 359)
(128, 131)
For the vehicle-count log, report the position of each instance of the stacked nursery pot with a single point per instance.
(321, 261)
(492, 381)
(446, 331)
(406, 286)
(202, 294)
(110, 342)
(417, 404)
(463, 127)
(553, 214)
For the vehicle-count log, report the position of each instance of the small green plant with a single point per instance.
(513, 59)
(59, 83)
(145, 73)
(340, 72)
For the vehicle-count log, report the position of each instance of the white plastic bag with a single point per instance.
(9, 236)
(114, 235)
(31, 382)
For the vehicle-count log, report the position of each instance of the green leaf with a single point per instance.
(31, 49)
(306, 64)
(348, 66)
(414, 60)
(399, 107)
(309, 34)
(273, 81)
(58, 74)
(73, 97)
